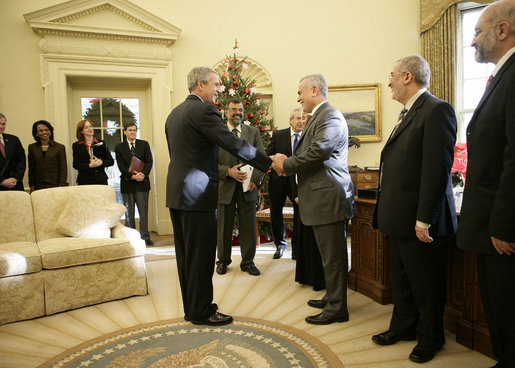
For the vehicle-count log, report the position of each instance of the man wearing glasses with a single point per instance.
(415, 208)
(488, 213)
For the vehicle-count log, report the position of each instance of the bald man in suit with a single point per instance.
(487, 220)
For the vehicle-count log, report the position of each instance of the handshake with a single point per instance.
(277, 163)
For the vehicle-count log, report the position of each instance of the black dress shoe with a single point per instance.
(279, 253)
(320, 319)
(424, 353)
(149, 242)
(251, 270)
(187, 318)
(318, 288)
(221, 269)
(389, 338)
(321, 303)
(216, 319)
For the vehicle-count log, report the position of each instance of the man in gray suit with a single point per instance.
(232, 195)
(326, 194)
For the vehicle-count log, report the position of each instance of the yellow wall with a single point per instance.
(348, 41)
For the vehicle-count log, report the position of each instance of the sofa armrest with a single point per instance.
(123, 232)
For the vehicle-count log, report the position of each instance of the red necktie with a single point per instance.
(489, 80)
(2, 148)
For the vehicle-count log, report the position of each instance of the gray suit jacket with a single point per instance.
(227, 184)
(326, 193)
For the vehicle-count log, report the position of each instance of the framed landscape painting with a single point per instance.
(361, 106)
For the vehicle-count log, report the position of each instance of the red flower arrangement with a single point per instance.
(459, 166)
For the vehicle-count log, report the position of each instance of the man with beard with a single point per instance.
(232, 194)
(415, 208)
(488, 212)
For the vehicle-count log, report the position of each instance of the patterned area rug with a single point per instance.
(246, 342)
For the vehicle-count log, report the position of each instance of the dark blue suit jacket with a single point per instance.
(416, 172)
(123, 159)
(194, 130)
(13, 165)
(489, 199)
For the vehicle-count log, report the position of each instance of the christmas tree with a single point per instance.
(235, 85)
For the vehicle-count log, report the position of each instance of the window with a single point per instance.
(472, 76)
(108, 116)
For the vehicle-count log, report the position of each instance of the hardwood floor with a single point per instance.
(272, 296)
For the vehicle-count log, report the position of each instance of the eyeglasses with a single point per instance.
(478, 31)
(391, 75)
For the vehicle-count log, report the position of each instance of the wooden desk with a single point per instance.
(370, 275)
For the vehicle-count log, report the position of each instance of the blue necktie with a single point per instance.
(295, 142)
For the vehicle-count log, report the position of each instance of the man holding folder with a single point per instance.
(236, 191)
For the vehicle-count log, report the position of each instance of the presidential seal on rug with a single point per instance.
(247, 342)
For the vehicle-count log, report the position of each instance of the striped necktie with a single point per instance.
(133, 149)
(2, 148)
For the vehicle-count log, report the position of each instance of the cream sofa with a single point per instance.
(64, 248)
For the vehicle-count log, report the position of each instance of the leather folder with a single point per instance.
(136, 165)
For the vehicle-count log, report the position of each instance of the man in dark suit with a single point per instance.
(12, 159)
(194, 130)
(136, 185)
(415, 208)
(279, 187)
(326, 194)
(232, 195)
(487, 220)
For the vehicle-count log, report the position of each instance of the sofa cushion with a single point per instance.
(48, 204)
(88, 215)
(19, 258)
(66, 252)
(17, 225)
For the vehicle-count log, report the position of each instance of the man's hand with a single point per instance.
(252, 186)
(423, 234)
(9, 183)
(503, 247)
(236, 174)
(138, 176)
(278, 163)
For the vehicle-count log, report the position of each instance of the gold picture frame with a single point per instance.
(360, 104)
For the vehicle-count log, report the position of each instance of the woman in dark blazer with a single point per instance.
(47, 159)
(90, 156)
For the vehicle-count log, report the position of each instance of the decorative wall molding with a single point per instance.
(114, 20)
(254, 71)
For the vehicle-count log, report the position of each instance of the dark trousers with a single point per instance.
(277, 199)
(497, 284)
(246, 228)
(418, 283)
(332, 243)
(195, 248)
(141, 200)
